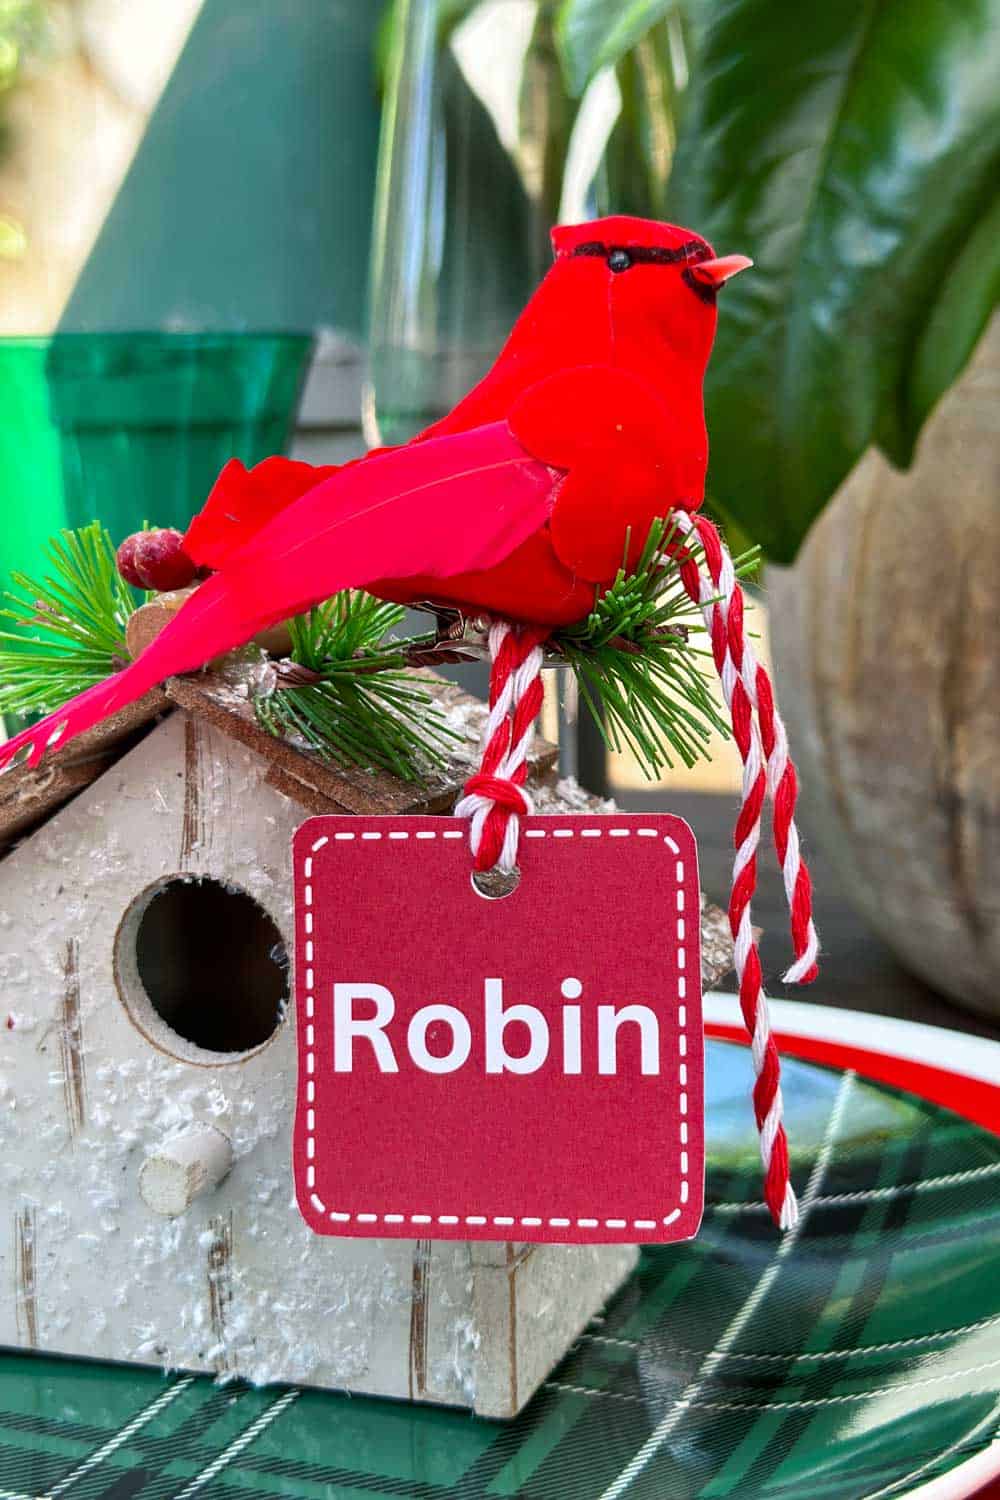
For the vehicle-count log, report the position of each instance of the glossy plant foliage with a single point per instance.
(854, 151)
(596, 34)
(856, 156)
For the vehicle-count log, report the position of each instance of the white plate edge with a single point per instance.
(937, 1046)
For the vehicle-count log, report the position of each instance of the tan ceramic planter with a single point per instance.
(886, 637)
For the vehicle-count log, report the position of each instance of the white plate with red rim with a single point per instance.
(957, 1071)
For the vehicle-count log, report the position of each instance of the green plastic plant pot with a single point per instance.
(32, 506)
(145, 421)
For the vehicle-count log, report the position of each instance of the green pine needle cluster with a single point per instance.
(359, 704)
(642, 659)
(71, 624)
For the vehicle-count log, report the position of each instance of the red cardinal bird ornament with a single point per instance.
(519, 505)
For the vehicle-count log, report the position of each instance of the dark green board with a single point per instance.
(248, 204)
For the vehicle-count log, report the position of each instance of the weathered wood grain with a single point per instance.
(30, 795)
(885, 635)
(324, 786)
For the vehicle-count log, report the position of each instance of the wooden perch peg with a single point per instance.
(171, 1178)
(149, 619)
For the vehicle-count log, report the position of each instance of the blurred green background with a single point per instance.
(185, 203)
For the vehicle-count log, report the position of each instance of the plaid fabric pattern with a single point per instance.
(853, 1360)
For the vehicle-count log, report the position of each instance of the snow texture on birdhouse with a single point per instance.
(147, 1082)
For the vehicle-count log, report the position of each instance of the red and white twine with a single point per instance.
(721, 601)
(495, 800)
(767, 770)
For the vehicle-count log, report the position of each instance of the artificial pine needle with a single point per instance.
(636, 659)
(358, 705)
(77, 616)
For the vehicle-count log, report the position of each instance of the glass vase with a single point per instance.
(476, 124)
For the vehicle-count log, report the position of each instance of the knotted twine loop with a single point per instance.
(767, 770)
(495, 799)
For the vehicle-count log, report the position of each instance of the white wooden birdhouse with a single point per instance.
(148, 1082)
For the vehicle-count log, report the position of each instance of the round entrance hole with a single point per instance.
(201, 969)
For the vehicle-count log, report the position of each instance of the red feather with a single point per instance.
(445, 506)
(450, 505)
(242, 501)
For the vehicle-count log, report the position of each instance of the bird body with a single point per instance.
(519, 503)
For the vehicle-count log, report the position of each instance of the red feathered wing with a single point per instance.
(243, 501)
(436, 508)
(445, 506)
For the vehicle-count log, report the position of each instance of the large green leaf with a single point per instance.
(594, 34)
(967, 295)
(852, 150)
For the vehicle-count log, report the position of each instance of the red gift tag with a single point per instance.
(528, 1068)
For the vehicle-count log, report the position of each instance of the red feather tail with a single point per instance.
(457, 504)
(242, 502)
(204, 628)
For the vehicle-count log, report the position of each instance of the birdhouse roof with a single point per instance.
(29, 796)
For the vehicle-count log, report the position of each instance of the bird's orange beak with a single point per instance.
(716, 272)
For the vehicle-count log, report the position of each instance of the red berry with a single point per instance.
(156, 560)
(125, 559)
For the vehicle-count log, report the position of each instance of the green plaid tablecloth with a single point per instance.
(854, 1359)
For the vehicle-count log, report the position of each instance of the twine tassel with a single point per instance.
(768, 771)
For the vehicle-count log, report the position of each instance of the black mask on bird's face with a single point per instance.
(660, 282)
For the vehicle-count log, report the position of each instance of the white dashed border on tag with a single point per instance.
(499, 1221)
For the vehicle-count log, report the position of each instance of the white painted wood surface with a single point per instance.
(235, 1283)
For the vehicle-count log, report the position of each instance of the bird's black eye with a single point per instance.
(619, 260)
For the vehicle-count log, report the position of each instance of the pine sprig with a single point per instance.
(347, 692)
(638, 659)
(353, 699)
(77, 614)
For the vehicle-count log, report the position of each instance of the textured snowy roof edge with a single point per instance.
(28, 796)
